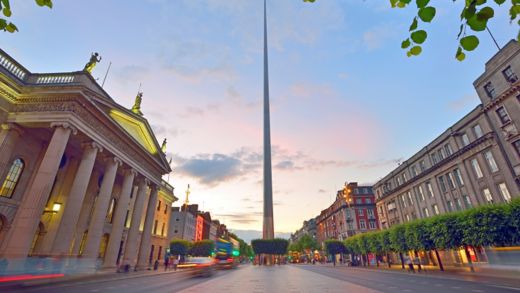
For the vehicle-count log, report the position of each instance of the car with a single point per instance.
(201, 266)
(228, 263)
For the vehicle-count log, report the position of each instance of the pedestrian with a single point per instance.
(166, 263)
(175, 263)
(156, 265)
(410, 264)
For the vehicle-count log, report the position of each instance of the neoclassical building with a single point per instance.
(80, 174)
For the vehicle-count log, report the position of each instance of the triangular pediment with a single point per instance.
(136, 128)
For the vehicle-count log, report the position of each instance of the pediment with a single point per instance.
(135, 128)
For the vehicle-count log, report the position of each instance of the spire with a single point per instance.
(268, 227)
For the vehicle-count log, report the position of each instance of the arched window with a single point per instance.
(12, 178)
(111, 209)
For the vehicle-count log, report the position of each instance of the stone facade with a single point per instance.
(68, 154)
(475, 162)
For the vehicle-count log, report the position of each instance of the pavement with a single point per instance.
(285, 278)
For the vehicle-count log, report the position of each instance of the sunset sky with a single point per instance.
(347, 103)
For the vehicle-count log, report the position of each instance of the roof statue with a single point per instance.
(136, 108)
(163, 146)
(92, 62)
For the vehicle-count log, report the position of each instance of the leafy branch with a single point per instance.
(5, 6)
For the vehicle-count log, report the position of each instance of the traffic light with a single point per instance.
(235, 252)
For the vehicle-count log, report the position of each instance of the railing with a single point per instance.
(55, 79)
(11, 66)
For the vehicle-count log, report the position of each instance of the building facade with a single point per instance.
(182, 224)
(353, 212)
(475, 162)
(80, 174)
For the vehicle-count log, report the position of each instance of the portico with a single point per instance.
(79, 172)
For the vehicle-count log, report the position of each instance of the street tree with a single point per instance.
(202, 248)
(398, 241)
(375, 244)
(334, 247)
(179, 247)
(5, 6)
(474, 18)
(386, 244)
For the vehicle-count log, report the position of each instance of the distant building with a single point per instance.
(345, 218)
(475, 162)
(182, 224)
(308, 227)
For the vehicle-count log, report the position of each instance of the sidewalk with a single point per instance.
(510, 275)
(100, 276)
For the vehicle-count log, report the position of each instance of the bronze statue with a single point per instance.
(92, 63)
(137, 104)
(163, 146)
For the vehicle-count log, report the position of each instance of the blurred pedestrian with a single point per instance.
(175, 263)
(410, 264)
(166, 263)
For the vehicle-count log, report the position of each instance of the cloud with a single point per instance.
(463, 102)
(210, 169)
(241, 218)
(322, 191)
(374, 38)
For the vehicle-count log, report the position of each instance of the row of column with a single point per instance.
(31, 208)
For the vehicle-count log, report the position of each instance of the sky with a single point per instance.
(346, 102)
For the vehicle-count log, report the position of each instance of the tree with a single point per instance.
(179, 247)
(6, 11)
(398, 241)
(202, 248)
(307, 242)
(487, 225)
(514, 213)
(474, 18)
(386, 244)
(375, 244)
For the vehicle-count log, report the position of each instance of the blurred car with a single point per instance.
(227, 263)
(201, 266)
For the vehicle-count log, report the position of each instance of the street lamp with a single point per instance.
(347, 194)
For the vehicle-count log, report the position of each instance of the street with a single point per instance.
(287, 278)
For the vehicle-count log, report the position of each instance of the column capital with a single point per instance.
(128, 171)
(115, 159)
(92, 145)
(65, 125)
(154, 187)
(12, 126)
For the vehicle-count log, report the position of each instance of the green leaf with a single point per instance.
(405, 44)
(3, 24)
(419, 36)
(469, 43)
(413, 26)
(6, 4)
(485, 13)
(422, 3)
(426, 14)
(7, 12)
(11, 28)
(499, 2)
(476, 24)
(416, 50)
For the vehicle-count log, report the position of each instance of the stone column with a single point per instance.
(118, 224)
(131, 240)
(30, 210)
(95, 228)
(144, 248)
(77, 192)
(9, 136)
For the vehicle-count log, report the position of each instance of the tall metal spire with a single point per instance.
(268, 229)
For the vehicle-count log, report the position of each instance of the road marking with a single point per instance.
(506, 287)
(455, 287)
(477, 290)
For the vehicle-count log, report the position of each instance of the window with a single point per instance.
(370, 213)
(477, 130)
(362, 224)
(347, 213)
(448, 150)
(516, 145)
(350, 226)
(509, 75)
(449, 178)
(420, 192)
(127, 222)
(368, 201)
(426, 212)
(487, 195)
(490, 90)
(403, 201)
(434, 158)
(458, 177)
(458, 203)
(409, 198)
(476, 168)
(155, 227)
(12, 178)
(360, 212)
(398, 179)
(440, 153)
(404, 178)
(467, 201)
(407, 217)
(111, 209)
(505, 193)
(162, 229)
(449, 204)
(491, 161)
(165, 209)
(435, 209)
(413, 170)
(422, 165)
(465, 139)
(442, 184)
(372, 225)
(159, 206)
(358, 201)
(429, 189)
(502, 115)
